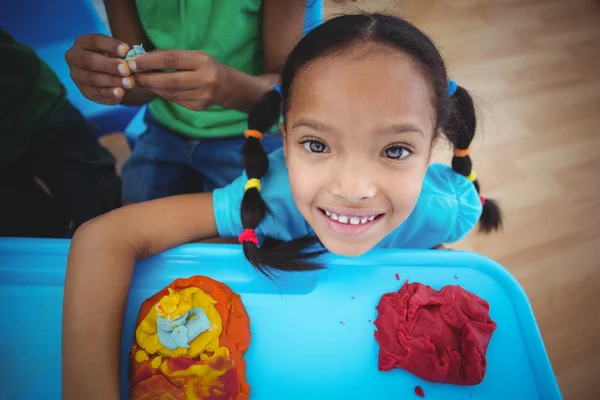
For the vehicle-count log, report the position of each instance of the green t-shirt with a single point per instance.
(30, 94)
(227, 30)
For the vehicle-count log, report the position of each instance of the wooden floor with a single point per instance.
(534, 66)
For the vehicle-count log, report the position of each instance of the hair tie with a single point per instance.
(252, 183)
(472, 176)
(451, 88)
(253, 133)
(248, 235)
(482, 199)
(462, 152)
(277, 88)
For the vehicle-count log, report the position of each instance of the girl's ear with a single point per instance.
(283, 133)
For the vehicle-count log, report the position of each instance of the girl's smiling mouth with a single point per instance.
(350, 222)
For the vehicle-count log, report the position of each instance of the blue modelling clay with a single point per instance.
(180, 332)
(136, 51)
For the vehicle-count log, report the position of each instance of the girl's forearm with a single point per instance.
(99, 272)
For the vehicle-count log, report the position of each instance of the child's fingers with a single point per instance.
(166, 59)
(98, 43)
(91, 61)
(108, 96)
(174, 81)
(99, 79)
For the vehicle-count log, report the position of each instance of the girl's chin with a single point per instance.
(345, 249)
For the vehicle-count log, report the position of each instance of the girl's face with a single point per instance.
(358, 139)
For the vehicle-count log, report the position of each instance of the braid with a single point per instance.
(285, 256)
(460, 130)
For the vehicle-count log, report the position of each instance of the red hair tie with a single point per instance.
(482, 199)
(248, 236)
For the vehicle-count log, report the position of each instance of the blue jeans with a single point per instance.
(165, 164)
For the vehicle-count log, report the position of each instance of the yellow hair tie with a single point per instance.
(472, 176)
(253, 133)
(252, 183)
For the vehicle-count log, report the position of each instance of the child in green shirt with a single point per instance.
(222, 56)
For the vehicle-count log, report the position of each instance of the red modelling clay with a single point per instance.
(419, 392)
(397, 277)
(440, 336)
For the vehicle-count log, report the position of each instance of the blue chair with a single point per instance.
(312, 18)
(50, 28)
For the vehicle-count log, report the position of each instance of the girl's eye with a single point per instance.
(396, 152)
(314, 146)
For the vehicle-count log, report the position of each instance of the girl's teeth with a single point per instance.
(349, 220)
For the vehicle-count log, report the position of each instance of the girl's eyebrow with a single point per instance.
(312, 124)
(400, 128)
(387, 130)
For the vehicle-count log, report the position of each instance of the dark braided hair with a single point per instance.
(455, 116)
(284, 256)
(460, 130)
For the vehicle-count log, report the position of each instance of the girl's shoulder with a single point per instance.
(442, 180)
(283, 221)
(276, 182)
(448, 208)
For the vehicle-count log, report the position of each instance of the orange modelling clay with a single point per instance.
(190, 339)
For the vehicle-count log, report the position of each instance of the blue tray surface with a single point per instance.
(311, 332)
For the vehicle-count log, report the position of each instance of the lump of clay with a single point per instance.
(440, 336)
(190, 339)
(177, 322)
(135, 51)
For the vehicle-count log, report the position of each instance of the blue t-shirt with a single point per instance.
(446, 211)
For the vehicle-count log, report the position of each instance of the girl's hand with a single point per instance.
(197, 82)
(98, 69)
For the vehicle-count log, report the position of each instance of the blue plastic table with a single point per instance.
(299, 348)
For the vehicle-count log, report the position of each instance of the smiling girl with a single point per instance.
(364, 100)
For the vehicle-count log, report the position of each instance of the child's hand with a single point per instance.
(197, 82)
(98, 69)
